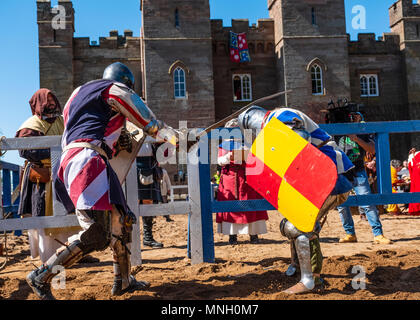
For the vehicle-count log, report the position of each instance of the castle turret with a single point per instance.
(312, 54)
(405, 21)
(177, 60)
(55, 30)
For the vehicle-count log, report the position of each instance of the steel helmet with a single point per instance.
(120, 73)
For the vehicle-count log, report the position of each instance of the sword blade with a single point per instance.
(237, 113)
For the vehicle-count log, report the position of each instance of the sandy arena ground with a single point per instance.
(244, 271)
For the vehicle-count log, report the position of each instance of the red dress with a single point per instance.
(232, 187)
(414, 168)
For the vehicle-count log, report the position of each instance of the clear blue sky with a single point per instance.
(19, 69)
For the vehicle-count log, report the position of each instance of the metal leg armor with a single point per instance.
(121, 245)
(291, 270)
(95, 237)
(300, 242)
(303, 250)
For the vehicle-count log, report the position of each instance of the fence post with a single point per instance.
(15, 184)
(131, 187)
(200, 219)
(7, 188)
(383, 163)
(58, 207)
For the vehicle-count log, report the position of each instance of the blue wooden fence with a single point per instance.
(381, 131)
(10, 176)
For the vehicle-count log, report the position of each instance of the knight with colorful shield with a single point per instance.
(299, 169)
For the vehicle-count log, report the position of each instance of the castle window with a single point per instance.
(176, 18)
(179, 83)
(251, 48)
(418, 31)
(313, 14)
(369, 85)
(316, 77)
(242, 88)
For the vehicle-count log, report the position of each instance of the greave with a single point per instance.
(291, 270)
(66, 258)
(122, 264)
(303, 250)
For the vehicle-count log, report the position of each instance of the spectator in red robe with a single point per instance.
(232, 187)
(414, 168)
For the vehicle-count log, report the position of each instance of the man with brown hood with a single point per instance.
(36, 189)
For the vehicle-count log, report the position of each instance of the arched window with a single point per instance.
(369, 85)
(242, 88)
(222, 49)
(246, 86)
(179, 83)
(176, 18)
(316, 77)
(364, 87)
(313, 15)
(251, 48)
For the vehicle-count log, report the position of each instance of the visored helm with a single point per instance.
(120, 73)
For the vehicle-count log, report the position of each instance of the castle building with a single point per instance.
(183, 69)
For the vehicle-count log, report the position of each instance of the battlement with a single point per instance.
(388, 43)
(263, 29)
(113, 41)
(45, 14)
(403, 9)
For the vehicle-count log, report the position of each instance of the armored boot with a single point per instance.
(307, 281)
(40, 279)
(123, 280)
(148, 234)
(134, 285)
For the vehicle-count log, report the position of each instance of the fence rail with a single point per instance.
(60, 217)
(201, 204)
(381, 131)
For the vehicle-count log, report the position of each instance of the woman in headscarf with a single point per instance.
(233, 186)
(36, 190)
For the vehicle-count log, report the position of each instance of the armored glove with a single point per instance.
(124, 142)
(128, 220)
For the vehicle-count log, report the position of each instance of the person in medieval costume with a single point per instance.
(414, 168)
(36, 186)
(233, 186)
(305, 246)
(148, 189)
(94, 118)
(165, 187)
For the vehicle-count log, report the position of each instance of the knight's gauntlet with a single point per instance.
(125, 142)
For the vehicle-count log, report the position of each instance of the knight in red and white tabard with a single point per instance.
(94, 119)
